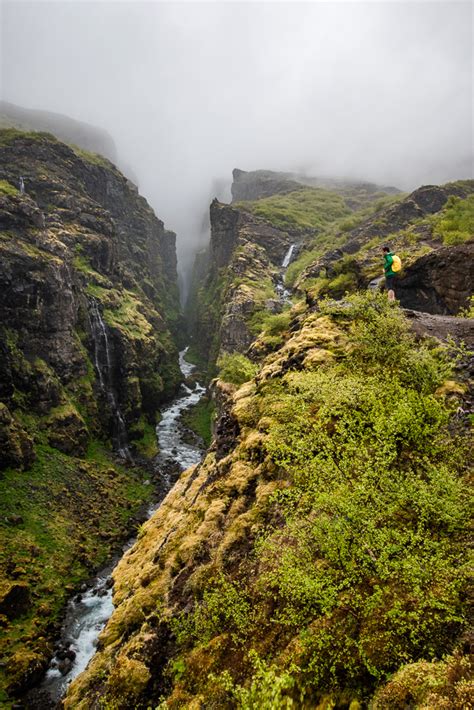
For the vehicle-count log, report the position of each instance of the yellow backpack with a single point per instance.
(397, 263)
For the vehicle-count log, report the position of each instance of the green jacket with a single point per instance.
(387, 264)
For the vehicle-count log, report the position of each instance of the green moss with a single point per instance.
(7, 135)
(143, 436)
(93, 158)
(235, 368)
(129, 317)
(7, 188)
(199, 419)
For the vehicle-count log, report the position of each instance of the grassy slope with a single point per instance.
(453, 224)
(327, 550)
(59, 521)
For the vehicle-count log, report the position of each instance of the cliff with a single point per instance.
(317, 558)
(88, 306)
(319, 547)
(257, 184)
(65, 128)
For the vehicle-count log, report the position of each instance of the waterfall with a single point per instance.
(103, 366)
(286, 261)
(283, 293)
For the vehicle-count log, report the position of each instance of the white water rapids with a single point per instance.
(87, 613)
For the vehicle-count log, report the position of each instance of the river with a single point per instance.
(88, 612)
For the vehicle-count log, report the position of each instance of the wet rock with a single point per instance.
(109, 583)
(65, 666)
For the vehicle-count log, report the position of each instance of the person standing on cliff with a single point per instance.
(389, 273)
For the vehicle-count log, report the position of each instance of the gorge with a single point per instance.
(316, 555)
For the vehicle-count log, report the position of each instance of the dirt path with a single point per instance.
(461, 329)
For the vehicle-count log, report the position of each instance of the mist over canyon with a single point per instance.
(189, 91)
(236, 355)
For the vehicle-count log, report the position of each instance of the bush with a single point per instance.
(235, 368)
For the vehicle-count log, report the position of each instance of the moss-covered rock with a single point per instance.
(318, 548)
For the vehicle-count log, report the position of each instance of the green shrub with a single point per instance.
(455, 223)
(236, 368)
(268, 690)
(225, 605)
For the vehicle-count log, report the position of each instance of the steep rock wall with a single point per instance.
(244, 257)
(88, 307)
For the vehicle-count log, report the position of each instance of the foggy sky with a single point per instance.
(377, 90)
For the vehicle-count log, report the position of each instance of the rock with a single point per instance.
(65, 666)
(14, 519)
(15, 599)
(68, 431)
(439, 282)
(16, 446)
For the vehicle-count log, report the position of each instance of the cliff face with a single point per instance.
(88, 306)
(316, 558)
(244, 261)
(88, 274)
(319, 546)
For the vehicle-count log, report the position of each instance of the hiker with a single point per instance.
(389, 273)
(22, 185)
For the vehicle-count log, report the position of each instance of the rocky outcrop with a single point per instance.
(266, 573)
(440, 282)
(242, 270)
(81, 235)
(65, 128)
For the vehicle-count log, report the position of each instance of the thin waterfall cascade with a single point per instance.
(288, 256)
(103, 366)
(283, 293)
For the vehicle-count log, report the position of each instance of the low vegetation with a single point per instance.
(327, 550)
(455, 223)
(306, 210)
(235, 368)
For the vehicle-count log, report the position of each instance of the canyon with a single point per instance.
(315, 555)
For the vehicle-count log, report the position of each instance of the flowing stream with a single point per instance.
(88, 612)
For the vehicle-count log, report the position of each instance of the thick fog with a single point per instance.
(188, 91)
